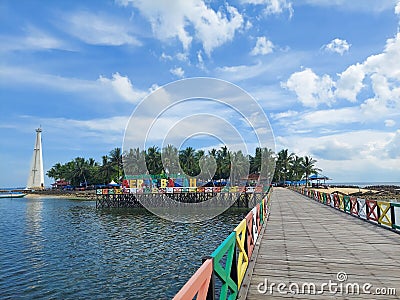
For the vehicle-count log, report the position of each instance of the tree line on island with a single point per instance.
(84, 172)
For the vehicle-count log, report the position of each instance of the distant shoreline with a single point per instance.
(72, 195)
(383, 190)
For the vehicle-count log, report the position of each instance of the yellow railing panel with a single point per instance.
(385, 217)
(243, 259)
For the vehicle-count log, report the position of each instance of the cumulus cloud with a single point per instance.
(178, 72)
(123, 87)
(278, 6)
(273, 6)
(171, 19)
(337, 46)
(350, 82)
(311, 89)
(368, 150)
(262, 47)
(380, 73)
(397, 8)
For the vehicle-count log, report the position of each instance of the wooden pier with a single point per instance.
(105, 199)
(309, 242)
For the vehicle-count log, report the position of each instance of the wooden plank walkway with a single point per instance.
(308, 243)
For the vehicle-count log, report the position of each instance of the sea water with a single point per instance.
(64, 249)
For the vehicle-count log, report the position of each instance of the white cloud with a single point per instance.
(98, 29)
(311, 89)
(390, 123)
(333, 149)
(178, 72)
(278, 6)
(329, 117)
(370, 152)
(354, 5)
(273, 6)
(338, 46)
(393, 147)
(240, 72)
(382, 71)
(103, 125)
(284, 115)
(262, 47)
(171, 20)
(34, 39)
(123, 87)
(200, 60)
(397, 8)
(166, 56)
(350, 82)
(272, 67)
(117, 88)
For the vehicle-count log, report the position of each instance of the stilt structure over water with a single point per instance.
(36, 174)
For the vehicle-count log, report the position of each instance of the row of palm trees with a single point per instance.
(214, 164)
(290, 167)
(84, 172)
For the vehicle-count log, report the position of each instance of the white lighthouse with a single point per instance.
(36, 174)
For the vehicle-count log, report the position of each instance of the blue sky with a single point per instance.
(326, 73)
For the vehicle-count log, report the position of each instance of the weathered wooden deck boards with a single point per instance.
(306, 242)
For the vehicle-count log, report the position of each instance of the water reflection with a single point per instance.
(34, 220)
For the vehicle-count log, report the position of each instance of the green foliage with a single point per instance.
(216, 164)
(294, 168)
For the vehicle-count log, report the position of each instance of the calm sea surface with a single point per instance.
(63, 249)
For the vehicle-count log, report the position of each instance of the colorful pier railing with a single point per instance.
(229, 262)
(239, 196)
(383, 213)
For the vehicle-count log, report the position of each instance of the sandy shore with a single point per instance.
(86, 195)
(380, 193)
(345, 191)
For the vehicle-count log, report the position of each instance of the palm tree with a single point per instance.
(134, 162)
(188, 160)
(284, 160)
(240, 167)
(263, 163)
(80, 171)
(116, 159)
(296, 168)
(208, 167)
(56, 172)
(170, 159)
(106, 169)
(309, 167)
(223, 163)
(153, 160)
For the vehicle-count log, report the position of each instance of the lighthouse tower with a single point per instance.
(36, 174)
